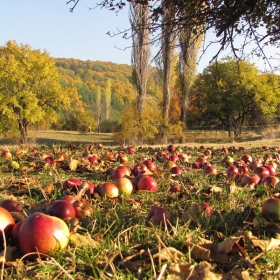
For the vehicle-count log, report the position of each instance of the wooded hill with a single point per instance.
(86, 76)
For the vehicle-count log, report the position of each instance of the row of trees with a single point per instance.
(37, 89)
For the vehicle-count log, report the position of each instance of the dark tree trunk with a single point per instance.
(23, 124)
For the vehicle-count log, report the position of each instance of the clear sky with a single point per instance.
(48, 25)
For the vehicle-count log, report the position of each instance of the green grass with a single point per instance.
(125, 246)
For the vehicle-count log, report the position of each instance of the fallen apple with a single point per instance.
(250, 179)
(139, 168)
(148, 183)
(271, 209)
(6, 223)
(200, 210)
(124, 185)
(11, 205)
(41, 233)
(62, 209)
(108, 189)
(82, 208)
(158, 215)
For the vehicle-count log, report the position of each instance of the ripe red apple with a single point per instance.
(41, 233)
(200, 210)
(130, 150)
(171, 148)
(11, 205)
(120, 173)
(124, 185)
(176, 170)
(110, 156)
(158, 215)
(139, 168)
(174, 188)
(6, 222)
(262, 172)
(250, 179)
(271, 168)
(93, 159)
(161, 156)
(6, 154)
(210, 170)
(150, 164)
(174, 158)
(232, 171)
(82, 208)
(122, 158)
(62, 209)
(108, 189)
(254, 164)
(15, 233)
(243, 169)
(247, 158)
(72, 184)
(148, 183)
(271, 181)
(196, 165)
(224, 150)
(271, 209)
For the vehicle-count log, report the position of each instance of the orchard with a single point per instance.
(158, 212)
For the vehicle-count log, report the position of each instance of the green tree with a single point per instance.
(29, 86)
(234, 93)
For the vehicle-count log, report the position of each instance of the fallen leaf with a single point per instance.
(73, 164)
(229, 244)
(169, 254)
(266, 245)
(82, 240)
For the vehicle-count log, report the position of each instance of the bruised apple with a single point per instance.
(158, 215)
(271, 209)
(82, 208)
(41, 233)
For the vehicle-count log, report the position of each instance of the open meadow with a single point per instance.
(80, 206)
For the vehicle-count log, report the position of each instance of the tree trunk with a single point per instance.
(23, 124)
(141, 50)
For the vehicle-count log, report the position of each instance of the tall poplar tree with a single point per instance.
(141, 50)
(108, 94)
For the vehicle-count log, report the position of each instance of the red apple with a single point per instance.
(6, 222)
(11, 205)
(150, 164)
(93, 159)
(171, 148)
(15, 233)
(243, 169)
(174, 188)
(232, 171)
(60, 156)
(174, 158)
(271, 181)
(120, 173)
(110, 156)
(196, 165)
(82, 208)
(139, 168)
(72, 184)
(247, 158)
(271, 209)
(262, 172)
(250, 179)
(271, 168)
(176, 170)
(6, 154)
(254, 164)
(62, 209)
(41, 233)
(130, 150)
(158, 215)
(148, 183)
(124, 185)
(200, 210)
(210, 170)
(108, 189)
(122, 158)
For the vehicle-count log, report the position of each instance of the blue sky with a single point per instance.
(48, 25)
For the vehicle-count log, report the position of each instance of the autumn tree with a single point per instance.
(234, 93)
(98, 107)
(141, 50)
(29, 86)
(107, 95)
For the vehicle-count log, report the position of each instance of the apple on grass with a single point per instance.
(148, 183)
(43, 234)
(250, 179)
(200, 210)
(11, 205)
(271, 209)
(108, 189)
(158, 215)
(6, 223)
(62, 209)
(124, 185)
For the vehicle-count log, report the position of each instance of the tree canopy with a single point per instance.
(234, 97)
(232, 21)
(29, 86)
